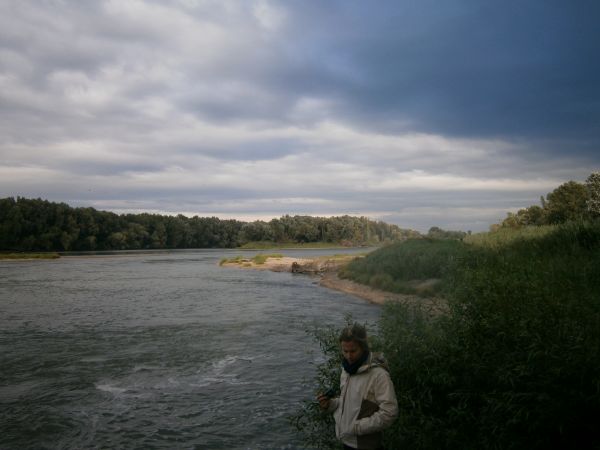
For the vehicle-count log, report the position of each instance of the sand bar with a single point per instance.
(327, 270)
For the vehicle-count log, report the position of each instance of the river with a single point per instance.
(159, 350)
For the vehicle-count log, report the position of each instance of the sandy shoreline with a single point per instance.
(327, 270)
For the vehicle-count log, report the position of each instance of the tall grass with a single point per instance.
(396, 267)
(239, 259)
(515, 362)
(504, 236)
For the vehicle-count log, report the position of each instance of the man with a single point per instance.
(367, 403)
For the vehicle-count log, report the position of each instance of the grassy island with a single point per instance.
(257, 259)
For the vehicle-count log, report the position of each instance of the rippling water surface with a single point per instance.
(158, 350)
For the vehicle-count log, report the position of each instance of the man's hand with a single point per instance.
(323, 401)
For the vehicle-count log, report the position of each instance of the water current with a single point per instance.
(158, 350)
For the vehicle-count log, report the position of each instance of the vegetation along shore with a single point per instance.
(35, 225)
(327, 269)
(27, 256)
(514, 360)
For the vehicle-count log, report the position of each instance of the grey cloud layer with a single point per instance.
(474, 68)
(267, 108)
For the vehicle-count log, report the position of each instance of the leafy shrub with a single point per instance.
(515, 361)
(525, 327)
(318, 427)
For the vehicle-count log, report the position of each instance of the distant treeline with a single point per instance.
(40, 225)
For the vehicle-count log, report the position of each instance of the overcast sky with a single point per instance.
(420, 113)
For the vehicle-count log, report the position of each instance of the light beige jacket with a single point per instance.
(366, 406)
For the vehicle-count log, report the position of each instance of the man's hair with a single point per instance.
(356, 333)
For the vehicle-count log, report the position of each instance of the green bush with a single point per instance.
(525, 324)
(318, 427)
(515, 361)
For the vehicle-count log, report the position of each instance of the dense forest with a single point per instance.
(40, 225)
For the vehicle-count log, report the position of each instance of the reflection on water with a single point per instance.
(158, 350)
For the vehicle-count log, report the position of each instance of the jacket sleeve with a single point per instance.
(333, 404)
(385, 397)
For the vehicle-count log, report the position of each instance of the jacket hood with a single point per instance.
(375, 360)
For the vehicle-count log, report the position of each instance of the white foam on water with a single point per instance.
(228, 360)
(111, 389)
(221, 364)
(94, 359)
(218, 372)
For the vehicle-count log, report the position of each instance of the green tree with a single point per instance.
(70, 230)
(88, 229)
(12, 224)
(567, 202)
(175, 232)
(306, 229)
(277, 230)
(592, 185)
(158, 238)
(117, 241)
(136, 236)
(535, 215)
(438, 233)
(256, 231)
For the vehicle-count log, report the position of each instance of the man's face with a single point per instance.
(351, 351)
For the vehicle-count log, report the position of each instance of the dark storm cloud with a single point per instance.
(465, 68)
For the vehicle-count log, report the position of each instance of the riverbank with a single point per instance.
(327, 268)
(27, 256)
(270, 245)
